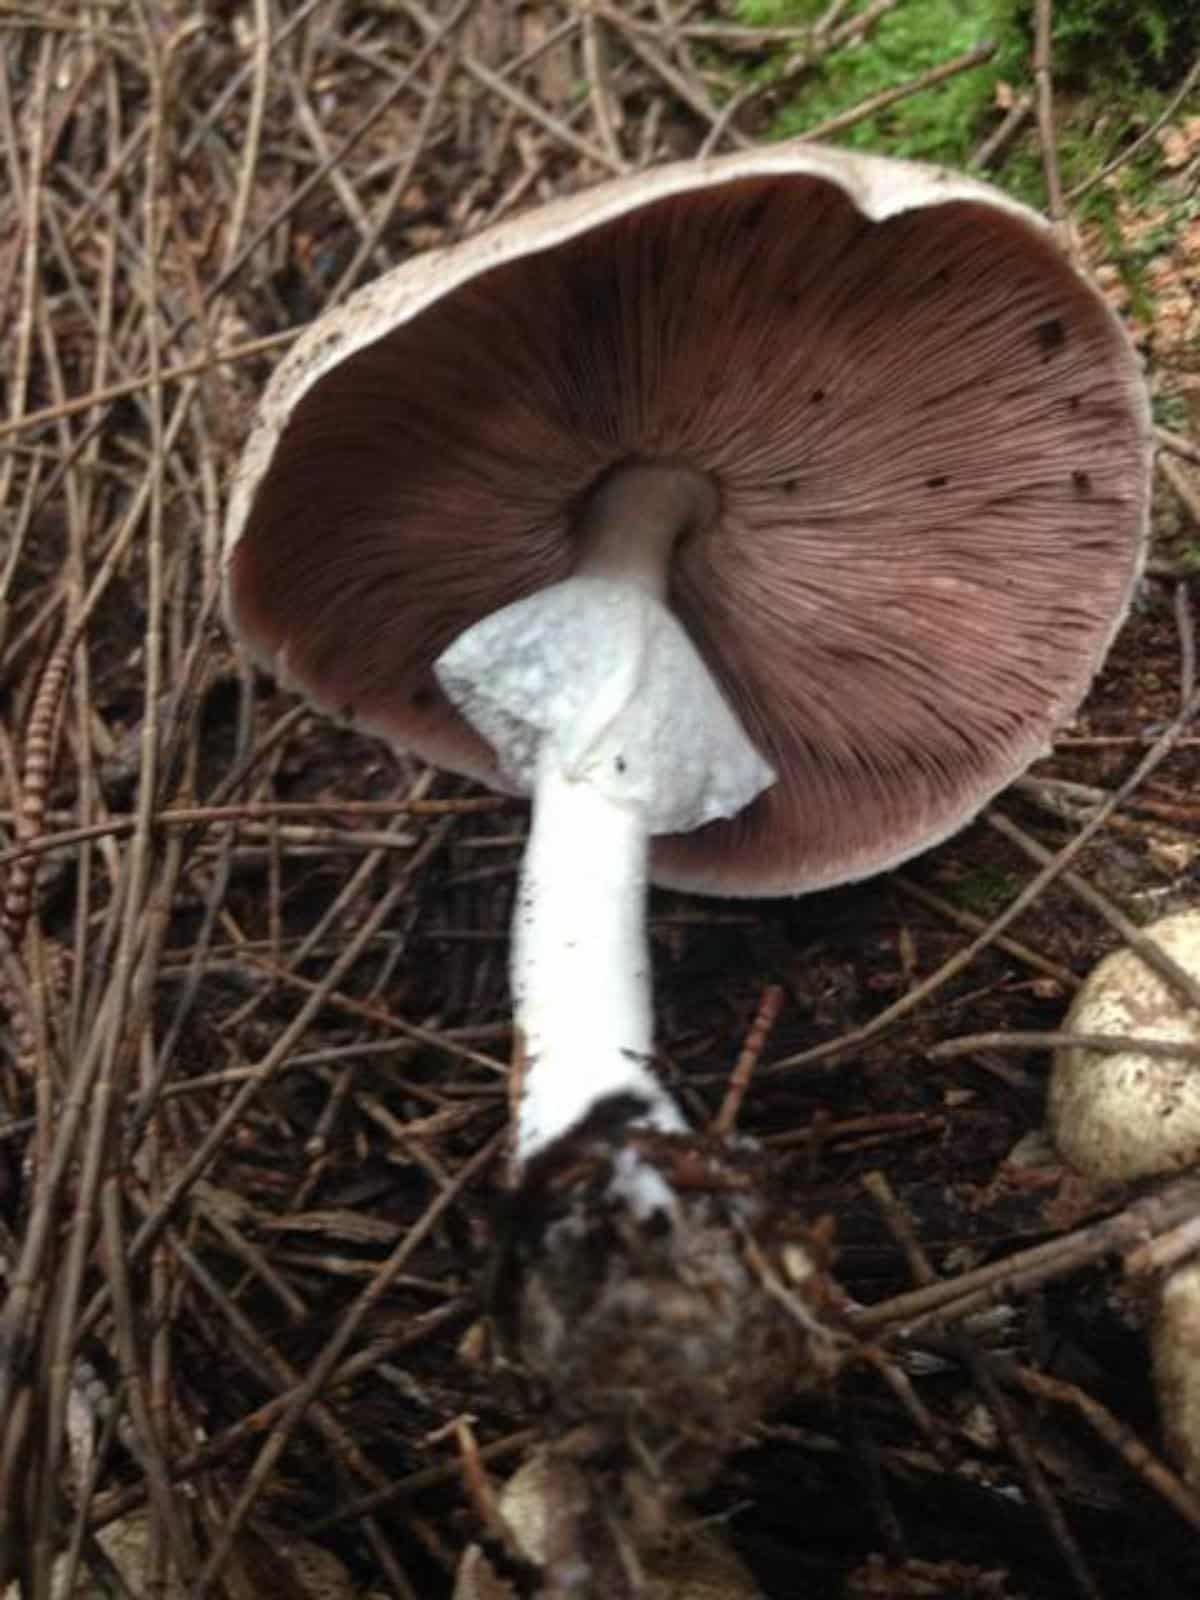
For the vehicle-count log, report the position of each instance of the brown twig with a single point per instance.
(850, 118)
(1031, 1039)
(1169, 110)
(323, 1367)
(1053, 868)
(1013, 1434)
(1181, 486)
(1043, 82)
(951, 1300)
(765, 1018)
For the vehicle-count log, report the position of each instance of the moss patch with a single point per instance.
(1114, 63)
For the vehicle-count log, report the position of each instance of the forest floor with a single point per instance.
(253, 965)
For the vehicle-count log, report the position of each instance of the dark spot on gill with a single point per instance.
(753, 214)
(817, 396)
(1051, 336)
(790, 485)
(938, 482)
(1081, 481)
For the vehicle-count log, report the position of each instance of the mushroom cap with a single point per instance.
(929, 436)
(1126, 1116)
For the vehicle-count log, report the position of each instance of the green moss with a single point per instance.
(1105, 51)
(937, 124)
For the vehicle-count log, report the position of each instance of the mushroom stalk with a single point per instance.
(596, 701)
(581, 960)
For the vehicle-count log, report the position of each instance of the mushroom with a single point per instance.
(760, 516)
(1125, 1115)
(1117, 1116)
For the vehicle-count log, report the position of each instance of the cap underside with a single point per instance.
(930, 444)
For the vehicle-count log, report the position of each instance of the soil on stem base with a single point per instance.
(661, 1304)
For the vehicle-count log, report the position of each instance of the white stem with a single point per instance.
(581, 960)
(596, 701)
